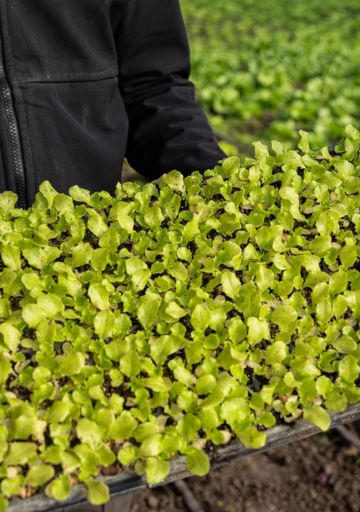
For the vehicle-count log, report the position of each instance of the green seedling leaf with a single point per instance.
(200, 317)
(156, 470)
(88, 432)
(39, 474)
(349, 369)
(59, 488)
(175, 311)
(123, 426)
(230, 283)
(197, 462)
(318, 416)
(128, 454)
(71, 364)
(257, 330)
(20, 453)
(190, 230)
(99, 296)
(8, 200)
(50, 304)
(33, 314)
(97, 492)
(11, 336)
(148, 309)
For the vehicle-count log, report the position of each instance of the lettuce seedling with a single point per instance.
(187, 312)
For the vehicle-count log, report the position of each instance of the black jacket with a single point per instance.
(84, 83)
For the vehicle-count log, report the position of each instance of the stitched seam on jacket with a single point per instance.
(70, 79)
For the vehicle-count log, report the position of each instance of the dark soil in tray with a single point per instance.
(319, 474)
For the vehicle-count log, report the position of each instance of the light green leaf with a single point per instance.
(99, 296)
(348, 253)
(148, 309)
(88, 431)
(349, 369)
(234, 409)
(153, 217)
(140, 279)
(123, 426)
(96, 223)
(304, 141)
(324, 311)
(128, 454)
(283, 316)
(197, 462)
(82, 195)
(104, 323)
(48, 192)
(276, 352)
(11, 335)
(156, 470)
(60, 488)
(50, 304)
(250, 437)
(264, 278)
(257, 330)
(318, 416)
(97, 492)
(13, 485)
(151, 446)
(81, 254)
(190, 230)
(230, 283)
(11, 257)
(20, 453)
(8, 200)
(135, 264)
(32, 314)
(209, 418)
(121, 213)
(324, 386)
(200, 317)
(71, 364)
(237, 330)
(345, 344)
(205, 384)
(175, 311)
(58, 412)
(39, 474)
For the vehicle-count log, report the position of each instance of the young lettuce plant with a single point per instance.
(177, 315)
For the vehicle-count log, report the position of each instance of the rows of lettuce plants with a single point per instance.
(264, 73)
(173, 317)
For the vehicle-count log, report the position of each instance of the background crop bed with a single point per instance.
(266, 69)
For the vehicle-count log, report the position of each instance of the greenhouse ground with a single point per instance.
(320, 474)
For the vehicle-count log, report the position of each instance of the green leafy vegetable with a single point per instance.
(191, 310)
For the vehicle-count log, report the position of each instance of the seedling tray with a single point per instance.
(129, 482)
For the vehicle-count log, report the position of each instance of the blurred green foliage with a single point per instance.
(266, 69)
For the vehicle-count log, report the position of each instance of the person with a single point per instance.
(85, 83)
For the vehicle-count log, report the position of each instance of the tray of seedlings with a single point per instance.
(188, 322)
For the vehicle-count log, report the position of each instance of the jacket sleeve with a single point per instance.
(167, 127)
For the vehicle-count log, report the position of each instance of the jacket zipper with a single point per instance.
(14, 139)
